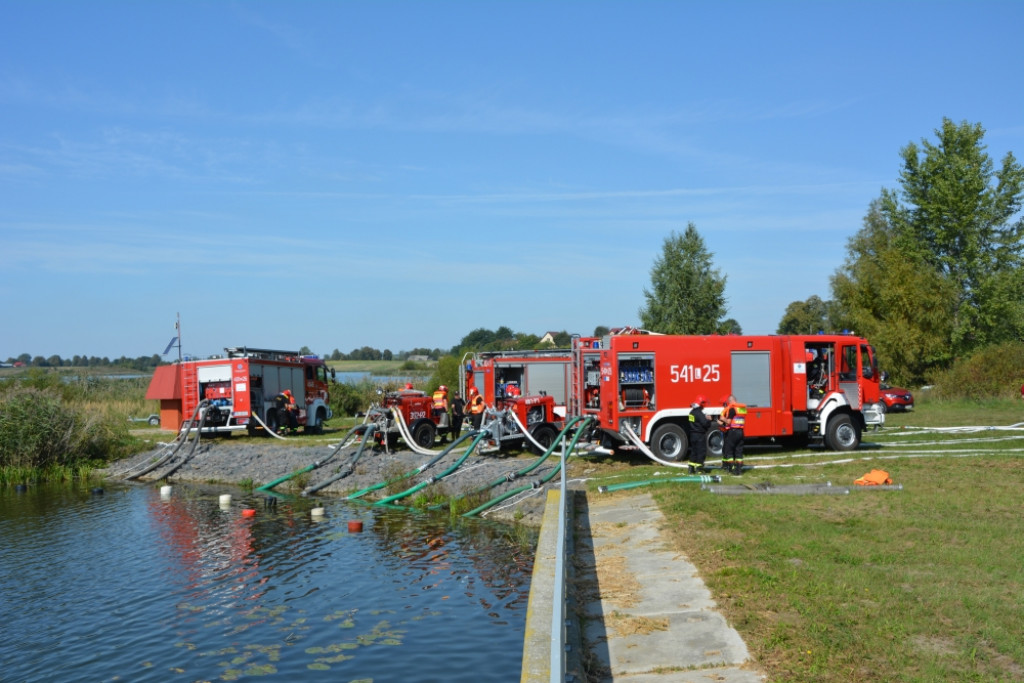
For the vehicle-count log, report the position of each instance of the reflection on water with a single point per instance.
(133, 586)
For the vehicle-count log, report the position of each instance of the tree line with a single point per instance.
(55, 361)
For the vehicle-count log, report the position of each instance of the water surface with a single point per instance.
(131, 585)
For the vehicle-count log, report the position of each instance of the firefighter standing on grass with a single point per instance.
(699, 424)
(733, 418)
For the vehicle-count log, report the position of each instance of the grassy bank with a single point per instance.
(54, 427)
(922, 584)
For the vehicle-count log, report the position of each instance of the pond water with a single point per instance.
(134, 585)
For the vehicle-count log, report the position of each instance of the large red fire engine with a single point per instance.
(239, 385)
(803, 389)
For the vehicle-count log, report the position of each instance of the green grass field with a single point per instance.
(921, 584)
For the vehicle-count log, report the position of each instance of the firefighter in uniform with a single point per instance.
(699, 425)
(734, 418)
(440, 409)
(458, 415)
(285, 404)
(476, 408)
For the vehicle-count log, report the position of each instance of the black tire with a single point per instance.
(669, 442)
(423, 434)
(154, 421)
(716, 443)
(841, 434)
(882, 407)
(317, 426)
(545, 435)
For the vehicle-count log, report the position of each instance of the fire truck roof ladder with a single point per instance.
(266, 354)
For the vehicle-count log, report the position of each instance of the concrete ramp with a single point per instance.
(648, 616)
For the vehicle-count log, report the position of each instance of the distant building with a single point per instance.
(548, 338)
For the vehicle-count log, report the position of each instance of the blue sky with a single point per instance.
(397, 174)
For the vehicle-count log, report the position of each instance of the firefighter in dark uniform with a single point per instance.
(458, 415)
(734, 418)
(699, 425)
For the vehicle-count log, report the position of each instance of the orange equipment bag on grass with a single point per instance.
(874, 478)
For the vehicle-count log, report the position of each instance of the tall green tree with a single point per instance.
(891, 295)
(687, 294)
(938, 265)
(963, 218)
(805, 317)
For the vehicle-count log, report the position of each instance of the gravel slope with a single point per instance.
(237, 459)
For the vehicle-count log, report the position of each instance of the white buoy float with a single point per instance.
(225, 500)
(165, 491)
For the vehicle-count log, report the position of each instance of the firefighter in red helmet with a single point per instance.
(439, 407)
(733, 418)
(476, 407)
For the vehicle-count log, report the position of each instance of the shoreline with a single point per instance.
(259, 462)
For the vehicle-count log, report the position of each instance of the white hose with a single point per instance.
(267, 429)
(403, 429)
(632, 436)
(526, 433)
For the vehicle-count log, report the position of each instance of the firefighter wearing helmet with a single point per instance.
(476, 408)
(699, 425)
(439, 407)
(733, 418)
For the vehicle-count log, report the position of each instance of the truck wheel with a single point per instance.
(423, 434)
(716, 443)
(669, 442)
(317, 426)
(545, 435)
(841, 434)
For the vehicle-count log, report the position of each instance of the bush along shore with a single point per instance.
(42, 438)
(255, 462)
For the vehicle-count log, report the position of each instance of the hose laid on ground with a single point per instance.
(419, 470)
(690, 479)
(903, 431)
(561, 461)
(315, 464)
(438, 477)
(178, 442)
(793, 490)
(341, 474)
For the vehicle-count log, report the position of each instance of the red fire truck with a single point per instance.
(506, 374)
(240, 384)
(803, 389)
(534, 385)
(417, 410)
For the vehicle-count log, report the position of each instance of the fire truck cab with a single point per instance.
(821, 389)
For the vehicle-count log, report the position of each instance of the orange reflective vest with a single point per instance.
(739, 416)
(476, 405)
(440, 400)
